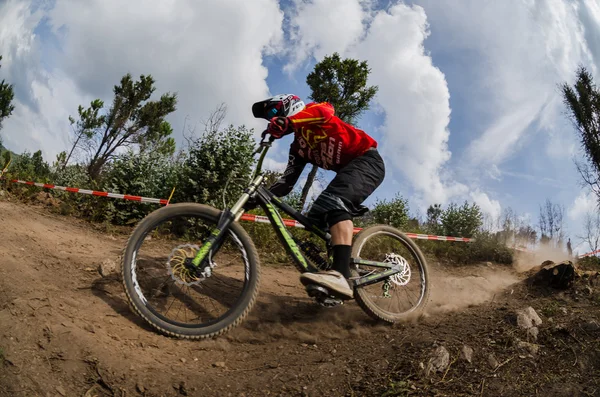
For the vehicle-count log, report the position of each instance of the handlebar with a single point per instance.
(263, 147)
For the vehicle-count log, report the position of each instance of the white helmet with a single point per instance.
(282, 105)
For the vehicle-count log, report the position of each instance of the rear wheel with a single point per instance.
(401, 296)
(176, 300)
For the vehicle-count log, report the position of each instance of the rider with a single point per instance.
(323, 139)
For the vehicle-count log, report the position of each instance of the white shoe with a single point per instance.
(332, 280)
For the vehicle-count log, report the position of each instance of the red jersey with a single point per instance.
(323, 139)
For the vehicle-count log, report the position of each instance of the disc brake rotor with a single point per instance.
(181, 273)
(403, 277)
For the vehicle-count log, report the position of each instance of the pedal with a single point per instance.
(316, 291)
(322, 296)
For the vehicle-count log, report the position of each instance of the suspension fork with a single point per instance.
(228, 216)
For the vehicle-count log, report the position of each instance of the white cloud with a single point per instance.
(583, 204)
(589, 13)
(520, 51)
(412, 91)
(274, 165)
(208, 52)
(322, 27)
(488, 206)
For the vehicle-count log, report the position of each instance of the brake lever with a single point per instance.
(264, 143)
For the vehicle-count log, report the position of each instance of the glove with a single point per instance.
(279, 126)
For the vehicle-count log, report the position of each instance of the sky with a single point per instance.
(468, 107)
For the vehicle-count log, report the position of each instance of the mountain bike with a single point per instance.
(200, 265)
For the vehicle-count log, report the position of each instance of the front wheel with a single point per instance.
(401, 296)
(178, 301)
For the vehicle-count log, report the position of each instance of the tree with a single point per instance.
(592, 230)
(583, 106)
(551, 223)
(434, 213)
(463, 221)
(132, 122)
(6, 98)
(343, 83)
(526, 235)
(211, 124)
(83, 130)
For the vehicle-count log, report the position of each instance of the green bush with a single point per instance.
(463, 221)
(148, 174)
(28, 167)
(589, 263)
(393, 212)
(218, 165)
(486, 247)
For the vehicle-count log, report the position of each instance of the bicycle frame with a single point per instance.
(270, 203)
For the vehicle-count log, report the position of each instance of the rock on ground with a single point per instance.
(527, 318)
(108, 267)
(467, 354)
(439, 360)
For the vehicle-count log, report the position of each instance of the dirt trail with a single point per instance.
(65, 330)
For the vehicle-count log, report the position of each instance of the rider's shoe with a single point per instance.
(333, 280)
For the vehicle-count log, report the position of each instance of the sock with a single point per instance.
(341, 259)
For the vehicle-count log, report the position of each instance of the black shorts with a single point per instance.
(342, 198)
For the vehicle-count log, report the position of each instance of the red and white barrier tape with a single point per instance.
(245, 217)
(589, 254)
(94, 192)
(439, 238)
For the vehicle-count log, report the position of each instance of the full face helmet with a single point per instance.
(282, 105)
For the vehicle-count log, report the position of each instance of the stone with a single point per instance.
(61, 390)
(492, 361)
(533, 333)
(107, 267)
(219, 364)
(532, 348)
(466, 353)
(527, 318)
(439, 360)
(591, 326)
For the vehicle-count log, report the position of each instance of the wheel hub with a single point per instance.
(403, 277)
(182, 270)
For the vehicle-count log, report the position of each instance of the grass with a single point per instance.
(551, 309)
(397, 389)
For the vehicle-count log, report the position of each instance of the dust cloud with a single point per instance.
(525, 261)
(455, 290)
